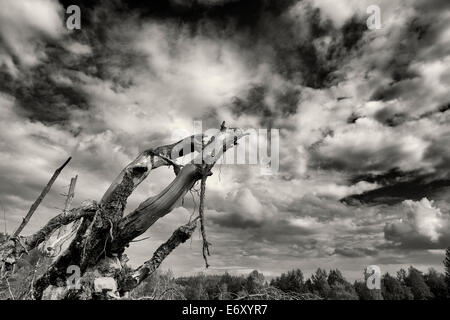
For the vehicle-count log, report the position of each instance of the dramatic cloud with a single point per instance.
(362, 114)
(424, 225)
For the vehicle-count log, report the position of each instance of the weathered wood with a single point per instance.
(38, 201)
(14, 248)
(70, 194)
(105, 233)
(135, 172)
(154, 208)
(30, 242)
(52, 245)
(181, 235)
(62, 219)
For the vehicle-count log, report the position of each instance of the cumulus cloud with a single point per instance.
(369, 146)
(423, 225)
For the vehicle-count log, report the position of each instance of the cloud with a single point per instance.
(368, 146)
(24, 26)
(355, 252)
(423, 225)
(341, 191)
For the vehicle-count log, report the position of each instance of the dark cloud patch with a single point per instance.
(352, 32)
(402, 237)
(312, 64)
(355, 252)
(236, 221)
(354, 159)
(439, 154)
(254, 25)
(420, 34)
(283, 232)
(392, 176)
(444, 108)
(40, 98)
(392, 119)
(387, 93)
(245, 13)
(320, 208)
(352, 118)
(255, 103)
(414, 189)
(110, 56)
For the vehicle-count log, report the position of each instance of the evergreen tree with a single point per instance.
(341, 289)
(436, 282)
(416, 282)
(393, 289)
(290, 282)
(318, 284)
(255, 281)
(447, 270)
(401, 276)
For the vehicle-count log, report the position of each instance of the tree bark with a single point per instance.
(181, 235)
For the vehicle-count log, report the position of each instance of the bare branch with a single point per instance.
(71, 194)
(39, 199)
(180, 236)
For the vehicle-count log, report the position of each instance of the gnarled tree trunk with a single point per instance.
(104, 233)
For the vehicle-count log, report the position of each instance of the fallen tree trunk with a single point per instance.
(98, 246)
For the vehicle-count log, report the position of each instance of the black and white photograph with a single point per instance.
(242, 151)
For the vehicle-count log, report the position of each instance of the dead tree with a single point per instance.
(104, 232)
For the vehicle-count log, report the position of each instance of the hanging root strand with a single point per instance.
(206, 244)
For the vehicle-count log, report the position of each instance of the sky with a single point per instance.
(363, 117)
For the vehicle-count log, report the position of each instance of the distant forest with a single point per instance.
(410, 284)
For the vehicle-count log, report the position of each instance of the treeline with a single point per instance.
(410, 284)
